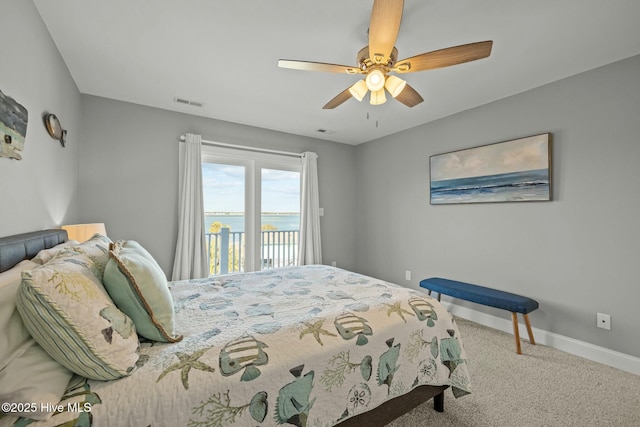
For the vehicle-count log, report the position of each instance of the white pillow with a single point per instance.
(13, 335)
(33, 378)
(45, 255)
(27, 372)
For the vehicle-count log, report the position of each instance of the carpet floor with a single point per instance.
(541, 387)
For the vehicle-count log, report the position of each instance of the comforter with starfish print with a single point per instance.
(303, 346)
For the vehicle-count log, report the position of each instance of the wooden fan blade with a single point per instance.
(339, 99)
(409, 97)
(383, 29)
(318, 66)
(444, 57)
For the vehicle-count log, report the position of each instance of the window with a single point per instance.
(252, 209)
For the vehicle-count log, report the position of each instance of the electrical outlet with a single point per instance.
(334, 264)
(407, 275)
(604, 321)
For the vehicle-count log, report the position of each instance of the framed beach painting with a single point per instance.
(510, 171)
(13, 127)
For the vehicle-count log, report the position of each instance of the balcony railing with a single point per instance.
(278, 248)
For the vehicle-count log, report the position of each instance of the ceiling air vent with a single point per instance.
(188, 102)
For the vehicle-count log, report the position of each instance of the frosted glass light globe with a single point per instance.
(375, 80)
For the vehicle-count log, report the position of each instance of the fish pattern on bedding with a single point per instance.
(303, 346)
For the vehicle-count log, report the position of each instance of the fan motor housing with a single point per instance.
(365, 62)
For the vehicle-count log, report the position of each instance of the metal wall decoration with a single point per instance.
(511, 171)
(13, 127)
(54, 128)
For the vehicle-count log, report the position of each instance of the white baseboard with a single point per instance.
(596, 353)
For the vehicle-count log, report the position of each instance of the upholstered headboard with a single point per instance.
(14, 249)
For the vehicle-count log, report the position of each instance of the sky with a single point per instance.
(524, 154)
(223, 188)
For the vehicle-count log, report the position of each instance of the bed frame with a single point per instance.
(394, 408)
(14, 249)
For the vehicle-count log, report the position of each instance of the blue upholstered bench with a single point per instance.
(487, 296)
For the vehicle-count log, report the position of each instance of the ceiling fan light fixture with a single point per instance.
(395, 85)
(378, 97)
(380, 58)
(375, 80)
(358, 90)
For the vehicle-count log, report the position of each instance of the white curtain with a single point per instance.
(309, 247)
(192, 260)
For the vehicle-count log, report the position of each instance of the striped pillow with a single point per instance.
(68, 312)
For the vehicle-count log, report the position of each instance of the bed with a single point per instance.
(304, 346)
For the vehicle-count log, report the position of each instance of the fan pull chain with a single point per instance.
(376, 119)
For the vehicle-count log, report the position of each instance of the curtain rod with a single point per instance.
(244, 147)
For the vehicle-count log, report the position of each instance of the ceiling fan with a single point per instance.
(377, 60)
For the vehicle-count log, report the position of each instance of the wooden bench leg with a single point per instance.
(516, 332)
(529, 330)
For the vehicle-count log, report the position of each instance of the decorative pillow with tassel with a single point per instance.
(139, 288)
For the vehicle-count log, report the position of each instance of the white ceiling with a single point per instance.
(224, 53)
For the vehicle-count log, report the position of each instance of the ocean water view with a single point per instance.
(282, 221)
(516, 186)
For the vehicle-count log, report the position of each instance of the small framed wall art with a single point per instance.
(512, 171)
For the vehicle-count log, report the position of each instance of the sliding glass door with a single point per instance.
(252, 209)
(224, 215)
(280, 217)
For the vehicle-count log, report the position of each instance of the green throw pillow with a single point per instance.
(138, 286)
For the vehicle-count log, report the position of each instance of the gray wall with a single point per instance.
(39, 191)
(129, 174)
(576, 255)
